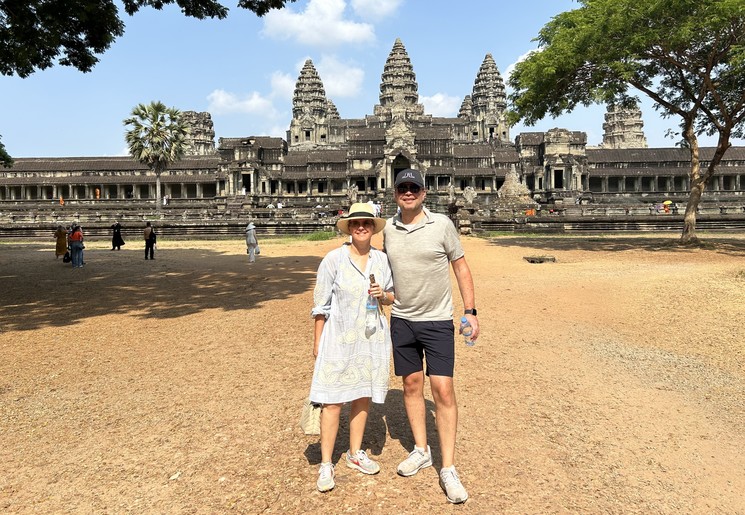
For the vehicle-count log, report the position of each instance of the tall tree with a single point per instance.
(156, 137)
(37, 34)
(686, 55)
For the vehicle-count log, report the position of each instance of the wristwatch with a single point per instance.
(470, 312)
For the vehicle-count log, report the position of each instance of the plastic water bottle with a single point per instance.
(466, 330)
(371, 314)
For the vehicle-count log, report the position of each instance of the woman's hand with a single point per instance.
(375, 290)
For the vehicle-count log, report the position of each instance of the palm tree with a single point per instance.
(156, 137)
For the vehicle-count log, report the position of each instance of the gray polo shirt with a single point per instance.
(420, 257)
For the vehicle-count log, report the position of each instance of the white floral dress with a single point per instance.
(350, 365)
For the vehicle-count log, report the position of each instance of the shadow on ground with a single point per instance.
(47, 292)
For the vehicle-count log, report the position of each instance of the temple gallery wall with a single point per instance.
(326, 160)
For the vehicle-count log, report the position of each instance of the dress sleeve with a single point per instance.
(324, 285)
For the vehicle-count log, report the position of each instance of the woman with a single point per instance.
(251, 243)
(116, 240)
(351, 362)
(60, 235)
(76, 246)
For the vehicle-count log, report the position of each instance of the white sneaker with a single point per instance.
(361, 462)
(416, 461)
(325, 477)
(450, 482)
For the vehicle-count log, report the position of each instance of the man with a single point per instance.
(421, 247)
(150, 240)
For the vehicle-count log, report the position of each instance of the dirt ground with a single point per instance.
(610, 381)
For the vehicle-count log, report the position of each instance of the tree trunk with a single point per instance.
(689, 220)
(699, 183)
(697, 187)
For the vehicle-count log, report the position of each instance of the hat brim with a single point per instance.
(343, 223)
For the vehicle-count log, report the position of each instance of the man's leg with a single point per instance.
(443, 393)
(415, 408)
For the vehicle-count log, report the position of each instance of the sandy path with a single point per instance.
(611, 381)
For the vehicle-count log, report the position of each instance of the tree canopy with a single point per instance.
(156, 137)
(37, 34)
(686, 55)
(5, 159)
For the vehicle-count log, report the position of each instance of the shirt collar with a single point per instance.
(427, 219)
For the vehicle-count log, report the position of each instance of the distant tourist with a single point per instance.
(76, 246)
(60, 235)
(150, 240)
(251, 243)
(116, 240)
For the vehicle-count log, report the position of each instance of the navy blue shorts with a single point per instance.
(415, 341)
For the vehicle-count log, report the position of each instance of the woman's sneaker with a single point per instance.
(325, 477)
(361, 462)
(416, 461)
(450, 482)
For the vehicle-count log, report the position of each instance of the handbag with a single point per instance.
(310, 418)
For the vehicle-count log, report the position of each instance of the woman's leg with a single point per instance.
(357, 422)
(329, 428)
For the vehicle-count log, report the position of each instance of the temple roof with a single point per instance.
(104, 164)
(398, 87)
(657, 155)
(309, 96)
(488, 94)
(472, 150)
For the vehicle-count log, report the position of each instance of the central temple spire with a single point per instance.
(399, 92)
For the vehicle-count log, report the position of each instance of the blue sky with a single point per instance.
(243, 70)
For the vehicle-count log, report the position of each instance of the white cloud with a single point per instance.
(440, 104)
(224, 102)
(375, 9)
(322, 24)
(339, 79)
(283, 86)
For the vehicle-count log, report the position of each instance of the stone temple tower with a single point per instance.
(399, 91)
(201, 138)
(623, 128)
(488, 104)
(311, 110)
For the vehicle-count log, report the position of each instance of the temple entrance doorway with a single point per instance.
(400, 163)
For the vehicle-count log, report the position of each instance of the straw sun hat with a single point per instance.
(360, 211)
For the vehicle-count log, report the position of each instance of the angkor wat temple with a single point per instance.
(468, 161)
